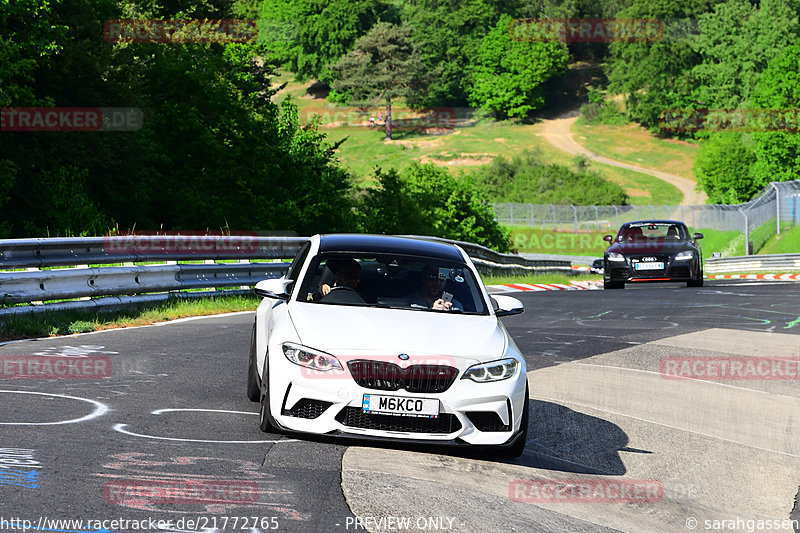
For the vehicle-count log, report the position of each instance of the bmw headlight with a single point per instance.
(493, 371)
(683, 256)
(310, 358)
(613, 256)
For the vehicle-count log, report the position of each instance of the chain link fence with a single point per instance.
(778, 205)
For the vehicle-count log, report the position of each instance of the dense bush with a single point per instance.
(525, 178)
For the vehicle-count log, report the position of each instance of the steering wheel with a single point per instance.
(342, 294)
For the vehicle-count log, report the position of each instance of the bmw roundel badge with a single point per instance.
(403, 357)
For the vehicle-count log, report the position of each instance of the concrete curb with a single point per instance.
(773, 277)
(536, 287)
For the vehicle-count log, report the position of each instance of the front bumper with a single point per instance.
(625, 271)
(478, 414)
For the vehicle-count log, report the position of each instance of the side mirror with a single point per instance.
(506, 306)
(697, 236)
(608, 238)
(273, 288)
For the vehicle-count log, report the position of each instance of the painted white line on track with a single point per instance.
(121, 429)
(162, 411)
(99, 410)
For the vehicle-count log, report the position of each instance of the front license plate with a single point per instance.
(398, 405)
(649, 266)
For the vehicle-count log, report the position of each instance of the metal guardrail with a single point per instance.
(112, 286)
(67, 251)
(40, 285)
(771, 263)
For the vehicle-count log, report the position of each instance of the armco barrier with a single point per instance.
(52, 252)
(116, 286)
(751, 263)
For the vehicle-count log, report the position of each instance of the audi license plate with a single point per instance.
(398, 405)
(649, 266)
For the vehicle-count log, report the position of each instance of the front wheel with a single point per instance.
(697, 282)
(613, 285)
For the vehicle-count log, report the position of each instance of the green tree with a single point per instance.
(427, 200)
(383, 66)
(723, 168)
(448, 34)
(778, 93)
(654, 76)
(508, 75)
(27, 35)
(311, 35)
(736, 41)
(214, 150)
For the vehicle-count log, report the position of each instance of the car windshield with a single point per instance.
(652, 232)
(392, 281)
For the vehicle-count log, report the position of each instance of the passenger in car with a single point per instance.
(430, 294)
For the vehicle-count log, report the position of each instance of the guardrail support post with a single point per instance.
(777, 205)
(575, 210)
(746, 234)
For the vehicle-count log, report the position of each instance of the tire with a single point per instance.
(263, 413)
(517, 448)
(698, 282)
(613, 285)
(253, 380)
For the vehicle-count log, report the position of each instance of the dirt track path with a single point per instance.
(557, 132)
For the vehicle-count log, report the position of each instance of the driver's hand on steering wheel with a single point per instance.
(325, 289)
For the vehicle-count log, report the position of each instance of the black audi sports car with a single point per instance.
(653, 250)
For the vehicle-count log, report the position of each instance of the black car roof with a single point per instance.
(349, 242)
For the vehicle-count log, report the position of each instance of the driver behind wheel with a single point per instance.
(347, 273)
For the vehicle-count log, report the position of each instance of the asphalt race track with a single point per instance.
(151, 426)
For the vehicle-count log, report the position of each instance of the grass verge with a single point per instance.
(634, 144)
(50, 324)
(788, 242)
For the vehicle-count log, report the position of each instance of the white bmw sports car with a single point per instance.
(384, 337)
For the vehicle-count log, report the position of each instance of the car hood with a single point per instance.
(348, 330)
(649, 247)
